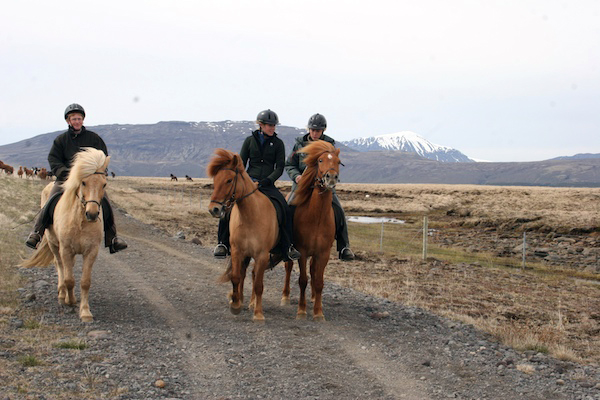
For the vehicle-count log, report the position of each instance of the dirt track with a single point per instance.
(159, 314)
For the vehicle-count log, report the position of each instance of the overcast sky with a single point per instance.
(511, 80)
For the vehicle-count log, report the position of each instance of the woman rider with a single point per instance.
(295, 166)
(265, 154)
(64, 148)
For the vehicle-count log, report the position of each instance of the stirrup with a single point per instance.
(346, 254)
(33, 240)
(221, 251)
(293, 254)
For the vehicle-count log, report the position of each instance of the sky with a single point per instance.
(511, 80)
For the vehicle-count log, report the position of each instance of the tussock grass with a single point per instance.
(71, 344)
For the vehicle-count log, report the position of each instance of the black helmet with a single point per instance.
(71, 108)
(318, 122)
(268, 117)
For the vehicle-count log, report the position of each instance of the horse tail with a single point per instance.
(226, 277)
(42, 257)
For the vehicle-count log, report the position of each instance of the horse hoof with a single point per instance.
(87, 319)
(285, 301)
(301, 316)
(235, 311)
(258, 319)
(319, 318)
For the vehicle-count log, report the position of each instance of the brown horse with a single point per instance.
(76, 228)
(314, 223)
(253, 226)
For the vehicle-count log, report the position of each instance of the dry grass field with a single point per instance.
(552, 307)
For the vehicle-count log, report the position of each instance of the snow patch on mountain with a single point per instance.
(410, 142)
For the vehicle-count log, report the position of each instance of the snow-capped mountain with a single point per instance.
(410, 142)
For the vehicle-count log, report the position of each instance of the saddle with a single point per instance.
(48, 210)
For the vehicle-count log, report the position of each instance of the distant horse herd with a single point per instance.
(34, 172)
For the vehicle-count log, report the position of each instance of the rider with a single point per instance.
(64, 148)
(295, 166)
(265, 154)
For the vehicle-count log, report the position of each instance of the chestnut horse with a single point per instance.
(253, 226)
(314, 223)
(76, 228)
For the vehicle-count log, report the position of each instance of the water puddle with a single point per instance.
(375, 220)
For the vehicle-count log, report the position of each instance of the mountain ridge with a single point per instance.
(185, 148)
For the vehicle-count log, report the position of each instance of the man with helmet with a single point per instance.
(64, 148)
(264, 153)
(294, 166)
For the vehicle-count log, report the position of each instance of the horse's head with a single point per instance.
(323, 160)
(87, 180)
(226, 169)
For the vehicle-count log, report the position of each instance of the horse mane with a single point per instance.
(85, 163)
(313, 151)
(222, 159)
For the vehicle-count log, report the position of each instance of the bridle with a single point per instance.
(320, 177)
(230, 198)
(85, 202)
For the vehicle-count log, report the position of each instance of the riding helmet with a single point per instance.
(318, 122)
(268, 117)
(71, 108)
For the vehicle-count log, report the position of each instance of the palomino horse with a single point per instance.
(76, 228)
(314, 223)
(252, 225)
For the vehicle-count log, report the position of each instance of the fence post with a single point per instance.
(524, 248)
(381, 239)
(425, 230)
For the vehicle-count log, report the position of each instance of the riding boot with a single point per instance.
(43, 219)
(341, 231)
(222, 249)
(286, 247)
(111, 240)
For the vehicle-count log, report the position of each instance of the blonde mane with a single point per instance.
(85, 163)
(313, 151)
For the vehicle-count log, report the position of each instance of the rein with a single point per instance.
(228, 204)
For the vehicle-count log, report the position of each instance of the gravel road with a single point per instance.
(162, 320)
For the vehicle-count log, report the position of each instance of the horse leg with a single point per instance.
(302, 282)
(285, 295)
(68, 261)
(252, 296)
(86, 282)
(260, 264)
(237, 282)
(60, 287)
(317, 269)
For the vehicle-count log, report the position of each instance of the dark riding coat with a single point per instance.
(66, 145)
(294, 165)
(264, 161)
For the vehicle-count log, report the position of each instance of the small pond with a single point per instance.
(375, 220)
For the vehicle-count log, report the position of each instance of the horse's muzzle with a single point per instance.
(217, 211)
(330, 180)
(91, 216)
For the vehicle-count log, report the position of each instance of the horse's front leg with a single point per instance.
(260, 265)
(302, 283)
(317, 273)
(236, 297)
(86, 282)
(68, 261)
(285, 294)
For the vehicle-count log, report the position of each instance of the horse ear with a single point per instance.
(236, 160)
(105, 166)
(337, 152)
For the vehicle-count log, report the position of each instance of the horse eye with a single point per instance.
(104, 186)
(320, 160)
(82, 183)
(229, 180)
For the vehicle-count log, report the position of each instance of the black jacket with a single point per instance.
(266, 161)
(66, 145)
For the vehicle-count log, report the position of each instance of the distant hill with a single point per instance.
(409, 142)
(182, 148)
(579, 156)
